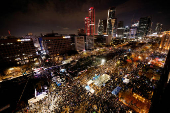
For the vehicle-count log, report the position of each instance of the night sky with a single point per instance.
(66, 16)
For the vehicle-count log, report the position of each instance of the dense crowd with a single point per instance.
(74, 97)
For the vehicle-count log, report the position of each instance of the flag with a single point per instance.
(9, 32)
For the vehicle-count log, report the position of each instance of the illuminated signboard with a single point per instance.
(66, 36)
(20, 40)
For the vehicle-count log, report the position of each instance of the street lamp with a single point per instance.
(103, 61)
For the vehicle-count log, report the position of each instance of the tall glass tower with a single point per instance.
(87, 26)
(111, 22)
(102, 27)
(144, 27)
(92, 20)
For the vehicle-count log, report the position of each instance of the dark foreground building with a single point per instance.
(161, 96)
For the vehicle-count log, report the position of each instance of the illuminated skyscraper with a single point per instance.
(102, 27)
(111, 22)
(133, 29)
(92, 20)
(87, 26)
(144, 27)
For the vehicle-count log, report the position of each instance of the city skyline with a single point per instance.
(65, 17)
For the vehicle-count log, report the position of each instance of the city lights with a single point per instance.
(20, 40)
(11, 68)
(74, 68)
(66, 36)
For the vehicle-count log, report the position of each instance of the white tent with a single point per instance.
(89, 82)
(101, 80)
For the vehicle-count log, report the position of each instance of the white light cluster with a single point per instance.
(66, 36)
(20, 40)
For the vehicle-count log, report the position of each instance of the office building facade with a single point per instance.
(17, 51)
(111, 22)
(56, 45)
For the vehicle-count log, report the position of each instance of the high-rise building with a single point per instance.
(165, 41)
(92, 20)
(112, 12)
(158, 28)
(17, 50)
(111, 22)
(120, 29)
(102, 25)
(144, 27)
(87, 26)
(55, 45)
(133, 29)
